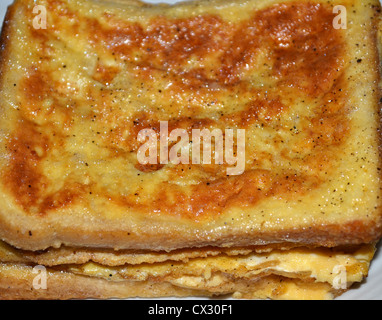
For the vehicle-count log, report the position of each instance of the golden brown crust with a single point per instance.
(196, 36)
(40, 211)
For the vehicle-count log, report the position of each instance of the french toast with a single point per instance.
(77, 92)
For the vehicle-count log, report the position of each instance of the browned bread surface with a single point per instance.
(75, 95)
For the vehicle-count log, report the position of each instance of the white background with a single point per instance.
(370, 289)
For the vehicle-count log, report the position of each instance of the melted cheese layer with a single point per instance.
(298, 273)
(311, 273)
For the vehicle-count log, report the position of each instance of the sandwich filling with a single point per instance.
(297, 273)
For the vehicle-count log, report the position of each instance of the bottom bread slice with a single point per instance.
(297, 273)
(25, 282)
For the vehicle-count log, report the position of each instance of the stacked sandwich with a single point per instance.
(98, 197)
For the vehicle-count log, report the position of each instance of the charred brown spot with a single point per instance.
(213, 197)
(105, 74)
(258, 110)
(304, 48)
(59, 199)
(148, 167)
(35, 88)
(308, 51)
(24, 178)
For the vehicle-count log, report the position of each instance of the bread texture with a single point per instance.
(75, 95)
(81, 80)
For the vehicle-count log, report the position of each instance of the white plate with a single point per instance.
(370, 289)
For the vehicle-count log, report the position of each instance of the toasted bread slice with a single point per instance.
(298, 273)
(16, 280)
(74, 97)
